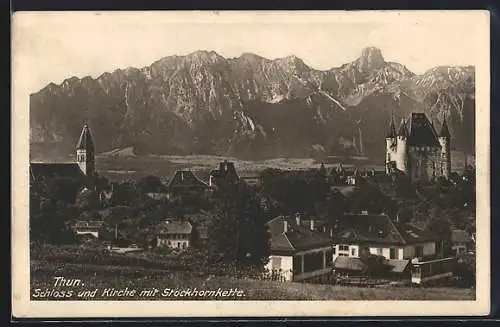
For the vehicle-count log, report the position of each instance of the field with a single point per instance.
(147, 274)
(123, 164)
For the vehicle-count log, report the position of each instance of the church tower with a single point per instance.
(444, 140)
(85, 153)
(402, 148)
(390, 146)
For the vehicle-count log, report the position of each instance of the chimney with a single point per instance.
(312, 224)
(364, 212)
(397, 218)
(285, 226)
(297, 218)
(331, 232)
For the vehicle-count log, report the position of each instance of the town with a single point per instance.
(412, 223)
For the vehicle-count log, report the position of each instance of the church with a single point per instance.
(417, 150)
(83, 169)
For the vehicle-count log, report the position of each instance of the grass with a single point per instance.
(141, 275)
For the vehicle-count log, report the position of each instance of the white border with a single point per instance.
(23, 307)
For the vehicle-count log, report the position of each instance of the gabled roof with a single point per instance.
(421, 132)
(85, 141)
(50, 170)
(226, 170)
(186, 179)
(377, 229)
(174, 227)
(296, 238)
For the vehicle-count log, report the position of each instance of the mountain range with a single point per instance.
(252, 107)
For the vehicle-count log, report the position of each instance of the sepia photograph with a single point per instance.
(250, 163)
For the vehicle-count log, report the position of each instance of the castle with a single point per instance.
(83, 169)
(418, 150)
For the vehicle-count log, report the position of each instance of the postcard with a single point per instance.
(250, 164)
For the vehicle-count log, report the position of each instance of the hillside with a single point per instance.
(250, 106)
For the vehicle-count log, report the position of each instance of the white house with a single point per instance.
(88, 227)
(174, 234)
(379, 235)
(298, 253)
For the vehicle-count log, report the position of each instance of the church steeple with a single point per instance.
(85, 152)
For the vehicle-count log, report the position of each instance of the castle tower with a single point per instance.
(85, 153)
(444, 138)
(390, 146)
(402, 148)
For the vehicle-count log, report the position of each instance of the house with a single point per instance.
(298, 253)
(379, 235)
(88, 227)
(224, 176)
(462, 242)
(174, 234)
(186, 183)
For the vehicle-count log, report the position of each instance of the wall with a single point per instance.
(94, 233)
(430, 163)
(163, 241)
(429, 248)
(285, 263)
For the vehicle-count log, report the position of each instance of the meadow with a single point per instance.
(147, 271)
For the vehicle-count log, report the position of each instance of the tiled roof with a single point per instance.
(349, 263)
(226, 170)
(421, 132)
(186, 179)
(85, 141)
(49, 170)
(296, 237)
(377, 229)
(174, 227)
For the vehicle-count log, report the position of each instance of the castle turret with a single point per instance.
(444, 138)
(85, 153)
(402, 148)
(390, 146)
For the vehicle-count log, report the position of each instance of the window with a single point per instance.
(178, 244)
(334, 250)
(379, 251)
(393, 253)
(343, 247)
(353, 252)
(419, 251)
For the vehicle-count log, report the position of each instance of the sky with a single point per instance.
(50, 47)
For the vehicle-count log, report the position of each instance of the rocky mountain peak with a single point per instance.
(371, 59)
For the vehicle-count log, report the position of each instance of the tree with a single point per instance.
(238, 234)
(149, 184)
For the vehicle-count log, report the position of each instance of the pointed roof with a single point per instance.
(403, 131)
(421, 132)
(85, 142)
(185, 179)
(392, 129)
(444, 129)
